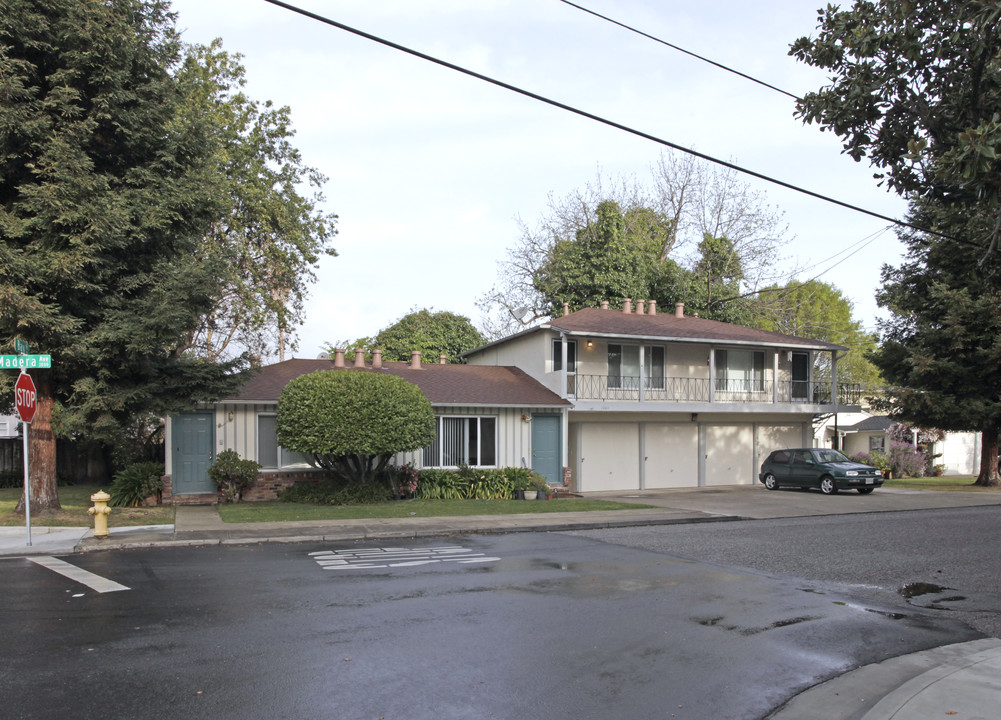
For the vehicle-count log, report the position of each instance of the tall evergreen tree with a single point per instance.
(916, 88)
(102, 194)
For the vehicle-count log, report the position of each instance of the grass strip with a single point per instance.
(281, 512)
(945, 484)
(75, 500)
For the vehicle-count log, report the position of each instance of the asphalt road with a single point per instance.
(610, 624)
(947, 561)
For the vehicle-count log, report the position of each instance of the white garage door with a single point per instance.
(729, 454)
(672, 455)
(609, 456)
(778, 437)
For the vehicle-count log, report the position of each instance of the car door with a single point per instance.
(801, 468)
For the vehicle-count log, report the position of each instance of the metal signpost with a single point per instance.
(25, 399)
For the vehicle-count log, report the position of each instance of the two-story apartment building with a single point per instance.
(672, 400)
(601, 399)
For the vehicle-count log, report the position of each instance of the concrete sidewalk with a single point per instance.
(961, 681)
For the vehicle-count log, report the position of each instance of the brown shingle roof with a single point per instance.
(667, 326)
(441, 384)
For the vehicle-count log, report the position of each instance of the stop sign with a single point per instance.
(24, 397)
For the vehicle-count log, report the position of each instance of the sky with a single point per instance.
(429, 170)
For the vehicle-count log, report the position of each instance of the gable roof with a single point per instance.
(441, 384)
(876, 423)
(665, 327)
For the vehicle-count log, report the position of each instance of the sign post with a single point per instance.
(24, 399)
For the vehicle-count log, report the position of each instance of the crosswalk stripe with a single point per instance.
(94, 582)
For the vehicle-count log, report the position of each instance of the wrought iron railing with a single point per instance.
(628, 389)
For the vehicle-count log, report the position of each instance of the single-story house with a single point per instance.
(486, 416)
(959, 452)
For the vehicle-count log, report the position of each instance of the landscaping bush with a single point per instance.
(233, 475)
(905, 461)
(468, 483)
(11, 479)
(135, 483)
(336, 494)
(875, 459)
(402, 480)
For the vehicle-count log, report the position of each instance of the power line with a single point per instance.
(721, 66)
(605, 121)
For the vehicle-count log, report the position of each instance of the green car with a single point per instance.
(821, 468)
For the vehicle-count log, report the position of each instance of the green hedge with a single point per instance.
(474, 483)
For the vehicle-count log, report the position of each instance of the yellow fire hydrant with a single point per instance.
(100, 512)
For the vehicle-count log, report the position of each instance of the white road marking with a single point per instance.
(94, 582)
(396, 557)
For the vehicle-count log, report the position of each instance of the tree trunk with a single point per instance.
(42, 452)
(989, 476)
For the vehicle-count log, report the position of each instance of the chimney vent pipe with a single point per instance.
(604, 304)
(627, 305)
(359, 357)
(652, 308)
(338, 357)
(679, 310)
(377, 359)
(415, 359)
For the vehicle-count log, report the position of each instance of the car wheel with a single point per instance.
(864, 491)
(770, 482)
(827, 486)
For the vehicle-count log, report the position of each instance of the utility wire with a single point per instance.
(721, 66)
(605, 121)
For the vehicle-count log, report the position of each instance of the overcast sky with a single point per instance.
(429, 169)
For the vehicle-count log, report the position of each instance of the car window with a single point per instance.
(830, 456)
(802, 456)
(780, 456)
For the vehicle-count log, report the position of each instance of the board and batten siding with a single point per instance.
(514, 435)
(240, 433)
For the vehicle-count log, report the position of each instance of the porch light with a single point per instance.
(590, 344)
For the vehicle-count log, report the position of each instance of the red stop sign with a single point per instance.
(24, 397)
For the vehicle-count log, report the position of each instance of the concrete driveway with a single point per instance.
(754, 501)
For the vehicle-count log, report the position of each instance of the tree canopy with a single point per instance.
(353, 421)
(660, 242)
(104, 198)
(916, 88)
(267, 235)
(433, 333)
(820, 311)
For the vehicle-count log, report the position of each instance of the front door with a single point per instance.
(801, 376)
(547, 451)
(193, 438)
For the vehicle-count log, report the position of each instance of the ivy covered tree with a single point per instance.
(915, 89)
(353, 421)
(269, 233)
(104, 198)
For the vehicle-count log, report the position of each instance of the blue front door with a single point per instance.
(193, 436)
(547, 455)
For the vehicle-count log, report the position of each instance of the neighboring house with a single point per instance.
(486, 416)
(959, 452)
(9, 426)
(669, 400)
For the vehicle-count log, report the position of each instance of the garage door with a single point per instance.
(609, 456)
(672, 455)
(729, 454)
(778, 437)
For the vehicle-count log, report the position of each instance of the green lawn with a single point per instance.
(279, 511)
(75, 500)
(949, 484)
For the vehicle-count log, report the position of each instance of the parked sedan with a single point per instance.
(821, 468)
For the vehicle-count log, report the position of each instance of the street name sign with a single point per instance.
(14, 362)
(21, 347)
(24, 398)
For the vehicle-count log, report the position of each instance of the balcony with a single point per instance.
(603, 388)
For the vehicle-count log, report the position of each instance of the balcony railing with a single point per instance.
(697, 390)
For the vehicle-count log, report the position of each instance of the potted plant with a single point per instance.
(541, 486)
(521, 482)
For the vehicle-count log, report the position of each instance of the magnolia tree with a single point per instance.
(353, 421)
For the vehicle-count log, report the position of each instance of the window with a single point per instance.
(270, 454)
(877, 443)
(653, 360)
(558, 355)
(463, 441)
(740, 370)
(623, 367)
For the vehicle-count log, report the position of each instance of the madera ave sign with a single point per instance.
(24, 397)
